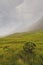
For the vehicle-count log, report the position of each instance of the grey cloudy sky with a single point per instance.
(18, 15)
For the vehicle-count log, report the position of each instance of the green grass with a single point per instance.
(11, 46)
(33, 36)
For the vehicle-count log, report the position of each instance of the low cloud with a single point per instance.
(18, 15)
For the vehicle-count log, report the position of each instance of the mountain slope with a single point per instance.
(12, 50)
(22, 37)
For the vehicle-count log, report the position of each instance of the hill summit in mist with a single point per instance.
(37, 26)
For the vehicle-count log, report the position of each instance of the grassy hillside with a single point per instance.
(19, 37)
(14, 49)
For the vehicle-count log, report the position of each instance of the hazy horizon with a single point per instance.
(18, 15)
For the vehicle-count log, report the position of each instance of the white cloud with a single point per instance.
(17, 15)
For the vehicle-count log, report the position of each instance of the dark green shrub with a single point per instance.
(29, 47)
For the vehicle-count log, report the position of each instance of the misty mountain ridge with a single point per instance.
(37, 26)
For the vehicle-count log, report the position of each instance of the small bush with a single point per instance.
(29, 47)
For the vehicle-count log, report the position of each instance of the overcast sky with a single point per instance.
(18, 15)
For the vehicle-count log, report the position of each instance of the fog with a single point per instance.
(19, 15)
